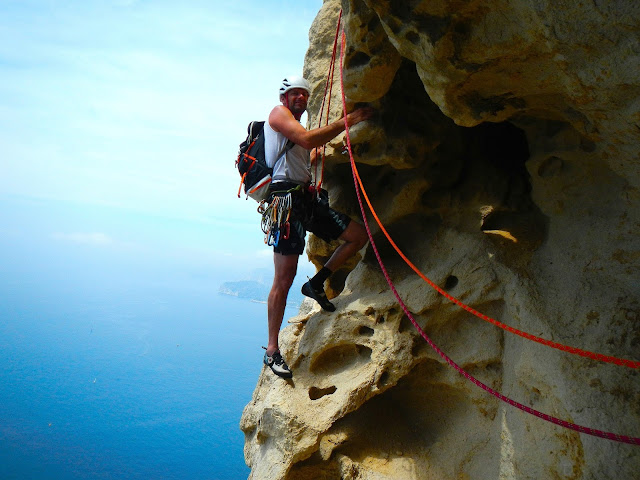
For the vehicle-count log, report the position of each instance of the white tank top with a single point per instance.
(293, 166)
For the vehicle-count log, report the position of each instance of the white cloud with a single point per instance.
(93, 239)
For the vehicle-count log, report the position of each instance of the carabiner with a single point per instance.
(275, 235)
(287, 230)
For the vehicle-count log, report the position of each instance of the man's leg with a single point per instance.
(354, 237)
(285, 268)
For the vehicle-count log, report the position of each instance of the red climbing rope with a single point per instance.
(328, 88)
(544, 416)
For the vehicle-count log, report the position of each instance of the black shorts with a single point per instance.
(308, 214)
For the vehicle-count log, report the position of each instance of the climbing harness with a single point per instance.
(359, 189)
(275, 218)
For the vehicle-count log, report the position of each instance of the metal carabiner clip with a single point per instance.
(287, 230)
(274, 238)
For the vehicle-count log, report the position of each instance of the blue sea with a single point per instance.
(114, 370)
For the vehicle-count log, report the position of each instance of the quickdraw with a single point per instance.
(275, 218)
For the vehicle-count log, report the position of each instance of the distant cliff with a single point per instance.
(505, 163)
(258, 291)
(248, 289)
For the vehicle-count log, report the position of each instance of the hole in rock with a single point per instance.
(419, 346)
(361, 149)
(405, 324)
(502, 151)
(366, 331)
(413, 37)
(450, 282)
(340, 358)
(359, 59)
(315, 393)
(384, 378)
(525, 228)
(503, 146)
(483, 162)
(496, 220)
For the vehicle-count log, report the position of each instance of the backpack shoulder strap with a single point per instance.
(258, 127)
(254, 129)
(288, 146)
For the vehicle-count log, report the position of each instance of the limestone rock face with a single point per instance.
(504, 162)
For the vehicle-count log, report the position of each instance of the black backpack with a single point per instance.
(251, 163)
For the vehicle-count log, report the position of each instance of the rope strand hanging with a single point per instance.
(328, 89)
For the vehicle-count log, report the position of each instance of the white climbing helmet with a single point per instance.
(294, 82)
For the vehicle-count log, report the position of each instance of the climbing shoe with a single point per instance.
(277, 365)
(318, 296)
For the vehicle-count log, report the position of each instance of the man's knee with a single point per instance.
(363, 238)
(283, 283)
(357, 234)
(285, 273)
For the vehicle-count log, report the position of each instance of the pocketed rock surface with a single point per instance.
(504, 162)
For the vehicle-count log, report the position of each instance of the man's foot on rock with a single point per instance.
(318, 296)
(277, 365)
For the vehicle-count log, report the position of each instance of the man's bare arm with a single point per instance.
(282, 120)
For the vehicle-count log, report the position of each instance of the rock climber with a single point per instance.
(309, 211)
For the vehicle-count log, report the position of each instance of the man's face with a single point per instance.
(296, 100)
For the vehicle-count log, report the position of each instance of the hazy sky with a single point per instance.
(121, 119)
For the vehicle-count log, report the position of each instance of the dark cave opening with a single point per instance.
(475, 178)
